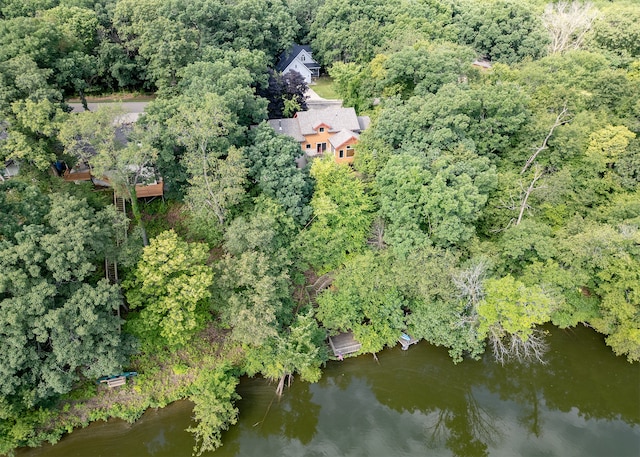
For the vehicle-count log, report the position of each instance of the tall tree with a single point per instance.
(301, 348)
(272, 167)
(217, 171)
(508, 315)
(114, 151)
(341, 216)
(59, 323)
(503, 31)
(171, 287)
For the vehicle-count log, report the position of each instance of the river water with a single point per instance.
(584, 402)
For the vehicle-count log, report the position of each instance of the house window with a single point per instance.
(302, 57)
(321, 147)
(341, 153)
(321, 130)
(308, 146)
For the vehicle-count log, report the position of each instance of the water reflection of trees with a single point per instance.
(294, 415)
(581, 373)
(466, 434)
(445, 393)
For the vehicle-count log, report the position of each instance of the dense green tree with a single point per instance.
(32, 132)
(617, 30)
(607, 257)
(356, 31)
(16, 8)
(21, 78)
(254, 287)
(341, 216)
(232, 83)
(434, 201)
(442, 300)
(354, 84)
(213, 393)
(502, 30)
(171, 287)
(507, 317)
(272, 167)
(365, 300)
(216, 171)
(299, 349)
(424, 68)
(59, 322)
(484, 119)
(253, 292)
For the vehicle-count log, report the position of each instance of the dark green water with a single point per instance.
(584, 402)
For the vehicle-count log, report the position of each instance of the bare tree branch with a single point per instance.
(523, 204)
(567, 24)
(508, 347)
(561, 118)
(377, 234)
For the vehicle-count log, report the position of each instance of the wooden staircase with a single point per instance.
(111, 270)
(110, 266)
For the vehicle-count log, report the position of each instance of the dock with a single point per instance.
(118, 379)
(343, 344)
(406, 341)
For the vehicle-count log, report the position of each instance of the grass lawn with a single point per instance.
(324, 87)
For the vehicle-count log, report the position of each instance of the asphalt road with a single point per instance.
(129, 107)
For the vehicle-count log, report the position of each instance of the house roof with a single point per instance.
(342, 137)
(289, 127)
(289, 56)
(364, 122)
(336, 118)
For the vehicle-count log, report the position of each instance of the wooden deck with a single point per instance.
(76, 176)
(151, 190)
(406, 343)
(115, 382)
(344, 344)
(142, 191)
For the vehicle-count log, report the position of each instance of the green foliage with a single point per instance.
(214, 394)
(609, 257)
(273, 169)
(511, 307)
(171, 286)
(59, 322)
(341, 216)
(217, 172)
(501, 30)
(299, 349)
(483, 119)
(617, 31)
(423, 68)
(365, 301)
(356, 31)
(432, 202)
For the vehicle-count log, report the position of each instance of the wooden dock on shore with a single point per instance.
(406, 341)
(343, 344)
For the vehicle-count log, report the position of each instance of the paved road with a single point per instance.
(129, 107)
